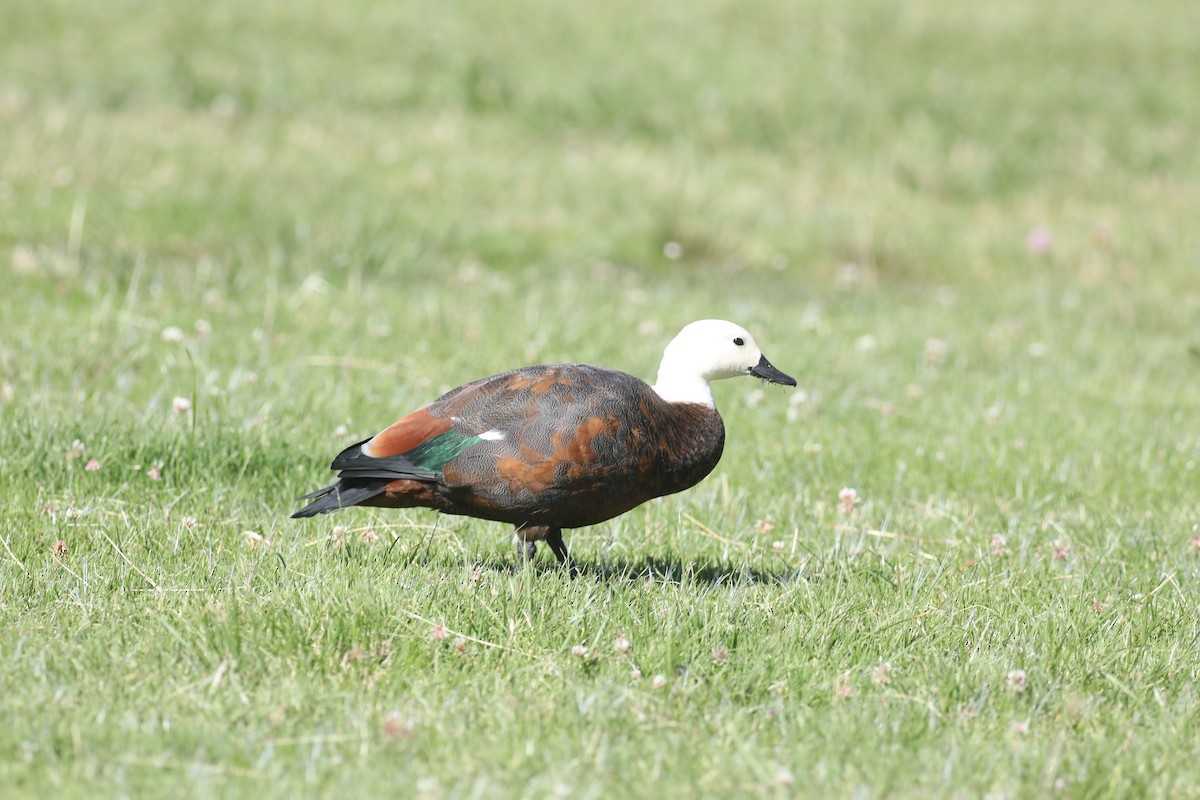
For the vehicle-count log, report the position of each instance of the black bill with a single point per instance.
(765, 370)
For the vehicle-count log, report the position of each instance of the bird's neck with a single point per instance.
(682, 386)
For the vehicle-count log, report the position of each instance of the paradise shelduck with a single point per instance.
(555, 446)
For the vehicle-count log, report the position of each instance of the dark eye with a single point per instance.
(739, 341)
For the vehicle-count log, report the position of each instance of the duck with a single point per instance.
(554, 447)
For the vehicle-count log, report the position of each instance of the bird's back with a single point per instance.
(571, 445)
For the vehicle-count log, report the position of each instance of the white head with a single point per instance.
(709, 350)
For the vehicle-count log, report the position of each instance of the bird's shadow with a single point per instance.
(682, 573)
(666, 570)
(654, 570)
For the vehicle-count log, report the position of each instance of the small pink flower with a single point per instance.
(847, 500)
(255, 539)
(882, 674)
(1019, 728)
(851, 274)
(1061, 549)
(181, 405)
(659, 681)
(1039, 240)
(649, 327)
(999, 545)
(439, 632)
(765, 525)
(24, 259)
(188, 522)
(866, 343)
(60, 548)
(1016, 681)
(935, 350)
(720, 653)
(622, 644)
(842, 688)
(92, 465)
(579, 651)
(154, 474)
(368, 535)
(1195, 542)
(75, 450)
(397, 727)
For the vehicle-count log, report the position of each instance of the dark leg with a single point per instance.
(555, 540)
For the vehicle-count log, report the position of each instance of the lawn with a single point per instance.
(960, 559)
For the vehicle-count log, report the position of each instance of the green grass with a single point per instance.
(345, 212)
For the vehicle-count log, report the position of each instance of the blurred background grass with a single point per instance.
(968, 230)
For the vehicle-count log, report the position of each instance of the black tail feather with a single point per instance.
(343, 494)
(354, 462)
